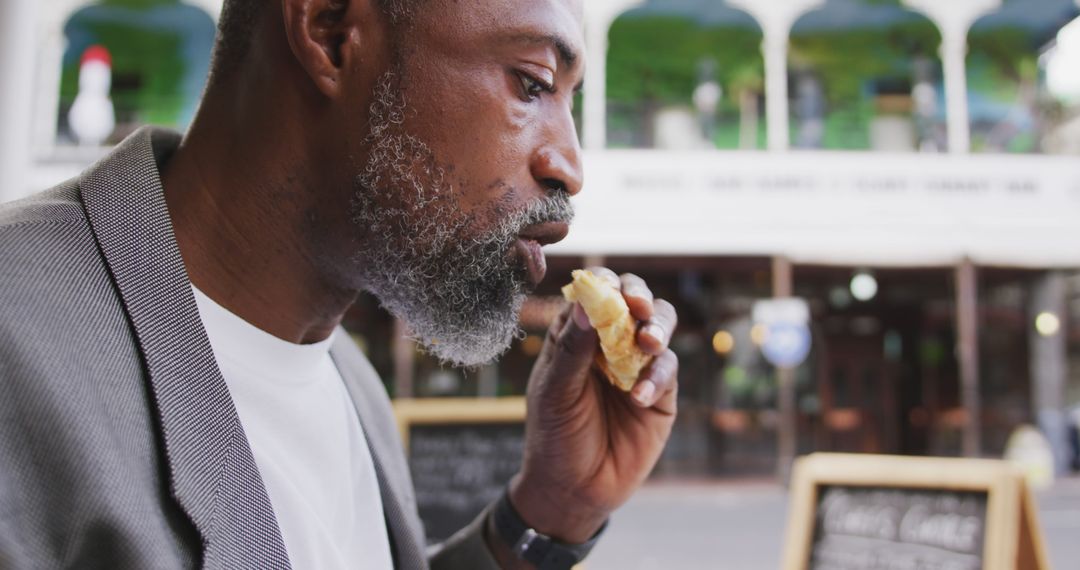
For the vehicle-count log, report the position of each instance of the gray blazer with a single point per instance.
(119, 443)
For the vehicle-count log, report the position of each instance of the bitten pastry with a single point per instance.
(622, 360)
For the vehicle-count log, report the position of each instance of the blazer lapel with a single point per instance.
(212, 472)
(380, 431)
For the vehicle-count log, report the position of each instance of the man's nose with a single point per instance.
(556, 163)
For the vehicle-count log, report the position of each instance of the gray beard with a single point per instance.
(458, 289)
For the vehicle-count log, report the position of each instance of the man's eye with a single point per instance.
(532, 87)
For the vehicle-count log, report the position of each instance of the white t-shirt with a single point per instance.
(307, 441)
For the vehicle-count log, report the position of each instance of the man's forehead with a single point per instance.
(561, 20)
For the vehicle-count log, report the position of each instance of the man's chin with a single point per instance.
(467, 356)
(480, 341)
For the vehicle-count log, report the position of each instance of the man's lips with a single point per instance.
(546, 233)
(529, 244)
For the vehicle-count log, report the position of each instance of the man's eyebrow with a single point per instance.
(567, 54)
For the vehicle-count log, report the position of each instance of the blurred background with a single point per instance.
(908, 169)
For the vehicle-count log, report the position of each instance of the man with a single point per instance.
(172, 389)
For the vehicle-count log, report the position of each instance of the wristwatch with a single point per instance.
(529, 545)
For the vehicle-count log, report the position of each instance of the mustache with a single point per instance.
(555, 207)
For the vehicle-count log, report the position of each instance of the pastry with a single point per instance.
(621, 359)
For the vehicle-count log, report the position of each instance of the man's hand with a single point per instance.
(588, 445)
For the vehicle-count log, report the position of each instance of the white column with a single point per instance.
(954, 19)
(776, 18)
(17, 18)
(954, 65)
(777, 113)
(212, 7)
(599, 15)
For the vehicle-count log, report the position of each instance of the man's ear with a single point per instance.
(323, 36)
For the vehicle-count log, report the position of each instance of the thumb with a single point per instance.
(571, 348)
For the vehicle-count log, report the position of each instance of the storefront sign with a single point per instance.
(787, 337)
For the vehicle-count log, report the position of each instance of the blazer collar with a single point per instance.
(212, 472)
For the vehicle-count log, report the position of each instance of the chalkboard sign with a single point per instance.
(462, 453)
(873, 512)
(860, 528)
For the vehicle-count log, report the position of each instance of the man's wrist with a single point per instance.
(517, 546)
(559, 517)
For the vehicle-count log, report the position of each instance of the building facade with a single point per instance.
(736, 152)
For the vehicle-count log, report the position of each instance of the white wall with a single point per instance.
(32, 46)
(17, 41)
(838, 208)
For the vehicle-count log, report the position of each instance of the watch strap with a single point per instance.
(541, 550)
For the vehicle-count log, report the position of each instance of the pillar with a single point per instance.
(958, 117)
(404, 354)
(954, 20)
(598, 19)
(776, 17)
(777, 114)
(1048, 357)
(967, 353)
(786, 443)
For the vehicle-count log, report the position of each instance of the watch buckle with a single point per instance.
(525, 542)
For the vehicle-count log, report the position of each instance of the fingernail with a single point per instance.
(644, 391)
(641, 292)
(580, 318)
(656, 331)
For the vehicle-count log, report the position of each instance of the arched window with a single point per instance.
(160, 57)
(685, 75)
(1011, 107)
(866, 75)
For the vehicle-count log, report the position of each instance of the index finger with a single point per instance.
(607, 275)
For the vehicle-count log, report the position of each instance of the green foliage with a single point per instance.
(655, 62)
(848, 63)
(657, 59)
(845, 60)
(1007, 53)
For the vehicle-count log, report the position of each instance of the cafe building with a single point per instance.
(907, 168)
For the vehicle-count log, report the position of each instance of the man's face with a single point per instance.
(471, 159)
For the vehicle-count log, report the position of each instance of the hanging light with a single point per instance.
(723, 342)
(863, 286)
(1047, 324)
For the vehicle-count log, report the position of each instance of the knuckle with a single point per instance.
(565, 342)
(672, 361)
(665, 369)
(666, 312)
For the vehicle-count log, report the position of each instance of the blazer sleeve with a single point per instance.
(466, 550)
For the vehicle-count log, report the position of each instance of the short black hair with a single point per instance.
(239, 18)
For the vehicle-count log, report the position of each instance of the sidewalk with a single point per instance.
(740, 526)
